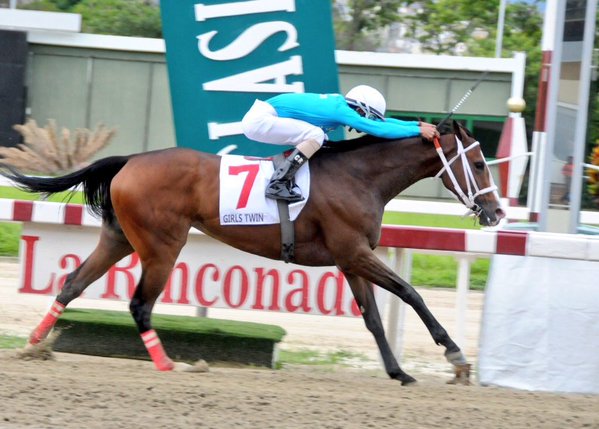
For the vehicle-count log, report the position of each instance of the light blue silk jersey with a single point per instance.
(330, 111)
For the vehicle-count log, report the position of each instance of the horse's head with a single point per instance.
(465, 173)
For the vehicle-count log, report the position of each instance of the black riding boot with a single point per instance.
(282, 183)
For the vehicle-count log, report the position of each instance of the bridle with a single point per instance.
(468, 196)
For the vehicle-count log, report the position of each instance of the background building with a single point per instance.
(81, 80)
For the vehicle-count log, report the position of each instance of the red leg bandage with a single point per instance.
(161, 361)
(46, 325)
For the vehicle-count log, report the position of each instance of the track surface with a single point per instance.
(77, 391)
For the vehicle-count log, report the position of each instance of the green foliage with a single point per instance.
(523, 32)
(50, 5)
(66, 4)
(590, 194)
(117, 17)
(43, 5)
(10, 233)
(121, 17)
(356, 21)
(591, 191)
(438, 25)
(441, 25)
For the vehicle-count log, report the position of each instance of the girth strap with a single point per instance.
(287, 226)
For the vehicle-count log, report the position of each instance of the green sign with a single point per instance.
(223, 55)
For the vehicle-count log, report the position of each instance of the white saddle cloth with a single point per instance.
(243, 181)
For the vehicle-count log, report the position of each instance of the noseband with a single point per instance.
(468, 197)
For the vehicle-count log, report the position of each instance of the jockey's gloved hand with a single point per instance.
(428, 131)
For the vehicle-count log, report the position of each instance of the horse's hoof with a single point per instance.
(407, 380)
(456, 358)
(199, 366)
(181, 367)
(41, 350)
(404, 378)
(462, 375)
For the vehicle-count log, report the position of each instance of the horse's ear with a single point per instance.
(456, 128)
(445, 128)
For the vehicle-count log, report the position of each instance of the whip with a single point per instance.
(464, 98)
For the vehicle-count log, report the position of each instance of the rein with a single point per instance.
(467, 198)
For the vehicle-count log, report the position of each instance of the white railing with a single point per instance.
(401, 261)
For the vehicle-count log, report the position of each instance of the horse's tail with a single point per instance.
(95, 181)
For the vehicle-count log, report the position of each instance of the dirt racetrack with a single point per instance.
(89, 392)
(77, 391)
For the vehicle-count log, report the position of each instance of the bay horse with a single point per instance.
(149, 201)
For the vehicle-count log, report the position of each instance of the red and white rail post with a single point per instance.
(539, 135)
(512, 151)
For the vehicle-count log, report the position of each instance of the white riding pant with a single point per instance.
(261, 123)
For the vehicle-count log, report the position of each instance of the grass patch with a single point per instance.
(312, 357)
(11, 342)
(186, 324)
(441, 271)
(10, 233)
(186, 338)
(286, 357)
(61, 197)
(430, 220)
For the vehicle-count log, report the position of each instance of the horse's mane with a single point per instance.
(366, 140)
(350, 144)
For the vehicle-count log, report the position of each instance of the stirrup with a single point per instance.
(278, 190)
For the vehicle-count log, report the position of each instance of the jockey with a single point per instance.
(303, 120)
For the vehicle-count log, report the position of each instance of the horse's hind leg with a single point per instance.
(158, 246)
(112, 247)
(154, 204)
(155, 273)
(364, 296)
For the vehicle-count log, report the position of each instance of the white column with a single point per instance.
(402, 264)
(462, 288)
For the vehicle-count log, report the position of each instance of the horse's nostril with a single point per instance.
(499, 213)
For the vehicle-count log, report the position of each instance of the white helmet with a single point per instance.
(368, 99)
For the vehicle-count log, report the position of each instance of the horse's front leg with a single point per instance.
(364, 296)
(364, 263)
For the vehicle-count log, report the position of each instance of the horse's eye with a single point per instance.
(479, 165)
